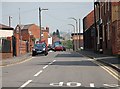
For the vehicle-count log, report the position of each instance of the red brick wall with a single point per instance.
(45, 37)
(23, 47)
(6, 55)
(25, 34)
(116, 37)
(35, 30)
(89, 20)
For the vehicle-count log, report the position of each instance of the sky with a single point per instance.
(56, 17)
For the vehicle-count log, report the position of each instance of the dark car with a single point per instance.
(40, 48)
(64, 48)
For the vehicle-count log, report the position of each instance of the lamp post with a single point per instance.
(10, 17)
(79, 33)
(40, 10)
(76, 31)
(74, 34)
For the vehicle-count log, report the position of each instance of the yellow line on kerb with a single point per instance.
(17, 63)
(110, 71)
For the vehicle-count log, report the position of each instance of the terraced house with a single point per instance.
(104, 36)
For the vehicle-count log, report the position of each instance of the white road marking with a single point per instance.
(45, 66)
(50, 63)
(73, 84)
(92, 85)
(25, 84)
(38, 73)
(54, 60)
(57, 84)
(111, 85)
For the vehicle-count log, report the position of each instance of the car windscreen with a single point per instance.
(39, 45)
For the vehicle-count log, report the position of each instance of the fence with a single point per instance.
(6, 46)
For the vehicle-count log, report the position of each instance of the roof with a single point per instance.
(5, 27)
(26, 26)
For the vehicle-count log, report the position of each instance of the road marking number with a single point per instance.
(111, 85)
(57, 84)
(73, 84)
(69, 84)
(92, 85)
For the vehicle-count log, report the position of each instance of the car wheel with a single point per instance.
(33, 53)
(46, 54)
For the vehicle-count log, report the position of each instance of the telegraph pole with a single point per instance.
(40, 22)
(19, 32)
(10, 17)
(79, 32)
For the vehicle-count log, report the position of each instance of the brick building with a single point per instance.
(25, 37)
(115, 27)
(106, 25)
(102, 33)
(77, 40)
(88, 31)
(105, 15)
(45, 34)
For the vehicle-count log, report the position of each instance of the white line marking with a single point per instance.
(92, 85)
(38, 73)
(45, 66)
(25, 84)
(54, 60)
(50, 63)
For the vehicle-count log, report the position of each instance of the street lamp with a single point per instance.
(40, 10)
(76, 30)
(74, 34)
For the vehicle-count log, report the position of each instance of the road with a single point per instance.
(58, 69)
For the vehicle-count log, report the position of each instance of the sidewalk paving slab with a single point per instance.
(14, 60)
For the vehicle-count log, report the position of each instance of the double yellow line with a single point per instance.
(109, 70)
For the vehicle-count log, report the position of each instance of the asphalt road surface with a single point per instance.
(59, 69)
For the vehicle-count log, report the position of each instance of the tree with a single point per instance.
(58, 33)
(69, 44)
(54, 33)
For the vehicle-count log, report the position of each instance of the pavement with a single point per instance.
(110, 60)
(14, 60)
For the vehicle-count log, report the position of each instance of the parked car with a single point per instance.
(58, 48)
(40, 48)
